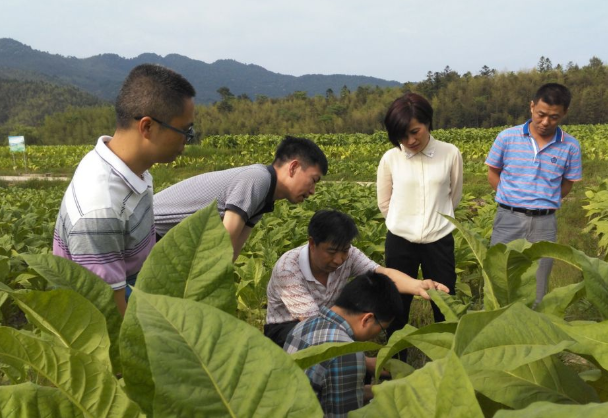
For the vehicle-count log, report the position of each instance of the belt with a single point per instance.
(528, 212)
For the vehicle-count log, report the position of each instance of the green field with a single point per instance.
(28, 211)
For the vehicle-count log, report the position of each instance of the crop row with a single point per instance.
(353, 156)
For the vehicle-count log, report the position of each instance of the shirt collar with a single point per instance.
(429, 150)
(304, 261)
(137, 184)
(559, 134)
(331, 316)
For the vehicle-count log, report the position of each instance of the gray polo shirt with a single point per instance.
(248, 191)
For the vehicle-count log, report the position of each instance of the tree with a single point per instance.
(225, 93)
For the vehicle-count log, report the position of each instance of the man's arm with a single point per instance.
(238, 231)
(405, 284)
(119, 298)
(566, 187)
(494, 176)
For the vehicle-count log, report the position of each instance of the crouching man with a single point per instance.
(366, 306)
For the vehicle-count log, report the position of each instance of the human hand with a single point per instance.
(430, 284)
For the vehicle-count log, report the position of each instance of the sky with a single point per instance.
(388, 39)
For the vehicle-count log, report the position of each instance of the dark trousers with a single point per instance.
(278, 332)
(437, 261)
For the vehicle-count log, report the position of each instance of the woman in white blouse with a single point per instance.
(418, 180)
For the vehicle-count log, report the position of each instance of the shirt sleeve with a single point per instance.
(574, 172)
(97, 243)
(247, 195)
(384, 185)
(495, 156)
(361, 263)
(456, 175)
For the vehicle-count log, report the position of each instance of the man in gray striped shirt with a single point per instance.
(244, 194)
(105, 222)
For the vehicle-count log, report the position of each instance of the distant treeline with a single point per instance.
(486, 99)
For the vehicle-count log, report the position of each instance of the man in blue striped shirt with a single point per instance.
(532, 167)
(365, 307)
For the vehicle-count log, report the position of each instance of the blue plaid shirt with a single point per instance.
(338, 382)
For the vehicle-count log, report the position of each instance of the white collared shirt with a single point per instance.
(415, 189)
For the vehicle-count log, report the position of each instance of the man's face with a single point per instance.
(170, 143)
(546, 118)
(368, 327)
(326, 256)
(302, 181)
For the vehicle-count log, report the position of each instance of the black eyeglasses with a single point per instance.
(381, 327)
(189, 134)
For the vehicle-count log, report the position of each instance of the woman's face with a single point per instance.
(417, 136)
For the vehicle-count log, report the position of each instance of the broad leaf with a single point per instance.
(451, 308)
(193, 261)
(440, 389)
(317, 353)
(479, 247)
(434, 340)
(29, 400)
(544, 380)
(557, 301)
(595, 271)
(395, 344)
(87, 383)
(506, 339)
(591, 339)
(508, 269)
(70, 318)
(551, 410)
(398, 369)
(205, 362)
(64, 273)
(137, 375)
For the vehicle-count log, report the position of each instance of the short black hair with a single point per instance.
(304, 150)
(553, 94)
(332, 226)
(152, 90)
(402, 111)
(371, 292)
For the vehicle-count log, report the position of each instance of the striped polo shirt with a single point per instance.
(531, 178)
(105, 222)
(248, 191)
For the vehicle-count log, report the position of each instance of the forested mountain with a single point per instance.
(102, 75)
(29, 102)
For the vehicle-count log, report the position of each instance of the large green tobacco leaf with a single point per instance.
(591, 339)
(544, 380)
(137, 375)
(451, 308)
(64, 273)
(205, 362)
(557, 301)
(552, 410)
(193, 261)
(510, 278)
(440, 389)
(29, 400)
(595, 271)
(85, 382)
(479, 248)
(70, 318)
(506, 339)
(317, 353)
(434, 340)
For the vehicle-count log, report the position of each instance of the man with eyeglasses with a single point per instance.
(106, 222)
(312, 276)
(244, 194)
(364, 308)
